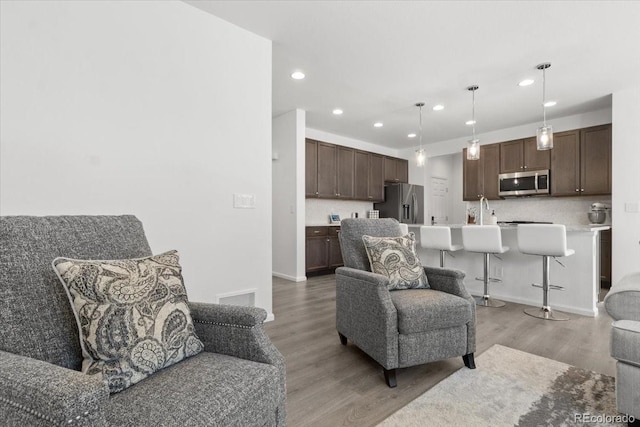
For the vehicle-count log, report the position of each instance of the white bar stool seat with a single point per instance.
(546, 240)
(438, 237)
(486, 239)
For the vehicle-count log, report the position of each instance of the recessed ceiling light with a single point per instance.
(438, 107)
(470, 122)
(411, 135)
(337, 111)
(526, 82)
(297, 75)
(550, 103)
(378, 124)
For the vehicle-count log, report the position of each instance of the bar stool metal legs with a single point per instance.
(485, 300)
(545, 311)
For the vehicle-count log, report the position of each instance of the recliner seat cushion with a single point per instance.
(422, 310)
(208, 389)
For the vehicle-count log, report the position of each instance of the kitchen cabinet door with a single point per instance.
(376, 178)
(335, 252)
(317, 253)
(533, 158)
(480, 177)
(345, 172)
(311, 168)
(565, 164)
(396, 170)
(471, 185)
(361, 175)
(327, 170)
(490, 164)
(511, 156)
(595, 160)
(605, 256)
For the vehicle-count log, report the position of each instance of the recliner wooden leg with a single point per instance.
(343, 339)
(390, 377)
(469, 362)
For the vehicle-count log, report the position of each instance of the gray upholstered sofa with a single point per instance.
(239, 380)
(400, 328)
(623, 305)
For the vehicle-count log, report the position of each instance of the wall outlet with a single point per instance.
(632, 207)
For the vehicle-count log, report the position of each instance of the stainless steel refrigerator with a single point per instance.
(404, 202)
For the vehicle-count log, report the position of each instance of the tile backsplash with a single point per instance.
(317, 210)
(559, 210)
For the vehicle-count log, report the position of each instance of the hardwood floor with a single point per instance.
(333, 385)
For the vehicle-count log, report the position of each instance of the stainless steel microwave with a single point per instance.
(528, 183)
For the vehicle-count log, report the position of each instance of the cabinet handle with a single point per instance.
(316, 231)
(577, 189)
(371, 197)
(317, 193)
(582, 189)
(525, 166)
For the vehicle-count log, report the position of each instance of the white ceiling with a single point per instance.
(376, 59)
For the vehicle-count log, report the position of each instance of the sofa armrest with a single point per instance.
(623, 300)
(236, 331)
(447, 280)
(33, 392)
(366, 315)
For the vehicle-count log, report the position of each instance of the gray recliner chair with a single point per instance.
(623, 305)
(238, 380)
(400, 328)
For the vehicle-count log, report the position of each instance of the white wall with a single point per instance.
(150, 108)
(626, 182)
(288, 195)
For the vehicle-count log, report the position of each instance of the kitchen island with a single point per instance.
(580, 277)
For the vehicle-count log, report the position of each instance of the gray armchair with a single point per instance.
(623, 305)
(239, 380)
(400, 328)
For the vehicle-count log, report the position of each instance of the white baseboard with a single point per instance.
(558, 307)
(270, 317)
(290, 278)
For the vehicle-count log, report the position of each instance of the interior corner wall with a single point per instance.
(288, 195)
(625, 226)
(156, 109)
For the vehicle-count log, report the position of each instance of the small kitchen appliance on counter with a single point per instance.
(598, 213)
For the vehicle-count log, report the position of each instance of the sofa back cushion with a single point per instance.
(36, 316)
(354, 254)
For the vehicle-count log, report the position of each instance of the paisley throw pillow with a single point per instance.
(132, 315)
(396, 258)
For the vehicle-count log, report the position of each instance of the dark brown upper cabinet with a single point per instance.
(369, 178)
(480, 177)
(345, 172)
(396, 170)
(522, 155)
(581, 162)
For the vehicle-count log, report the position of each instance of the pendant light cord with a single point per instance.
(421, 128)
(473, 113)
(544, 108)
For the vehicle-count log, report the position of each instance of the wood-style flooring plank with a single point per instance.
(329, 384)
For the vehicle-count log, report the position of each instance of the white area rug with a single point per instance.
(513, 388)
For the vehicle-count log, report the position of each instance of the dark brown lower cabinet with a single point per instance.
(322, 249)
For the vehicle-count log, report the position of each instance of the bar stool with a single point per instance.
(486, 239)
(546, 240)
(438, 237)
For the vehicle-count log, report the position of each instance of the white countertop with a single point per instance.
(570, 227)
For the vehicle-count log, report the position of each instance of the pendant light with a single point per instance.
(544, 134)
(473, 145)
(420, 154)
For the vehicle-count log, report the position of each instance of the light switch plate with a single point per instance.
(244, 201)
(632, 207)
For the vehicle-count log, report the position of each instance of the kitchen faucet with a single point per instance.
(486, 202)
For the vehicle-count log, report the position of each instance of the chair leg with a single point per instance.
(390, 377)
(469, 362)
(343, 339)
